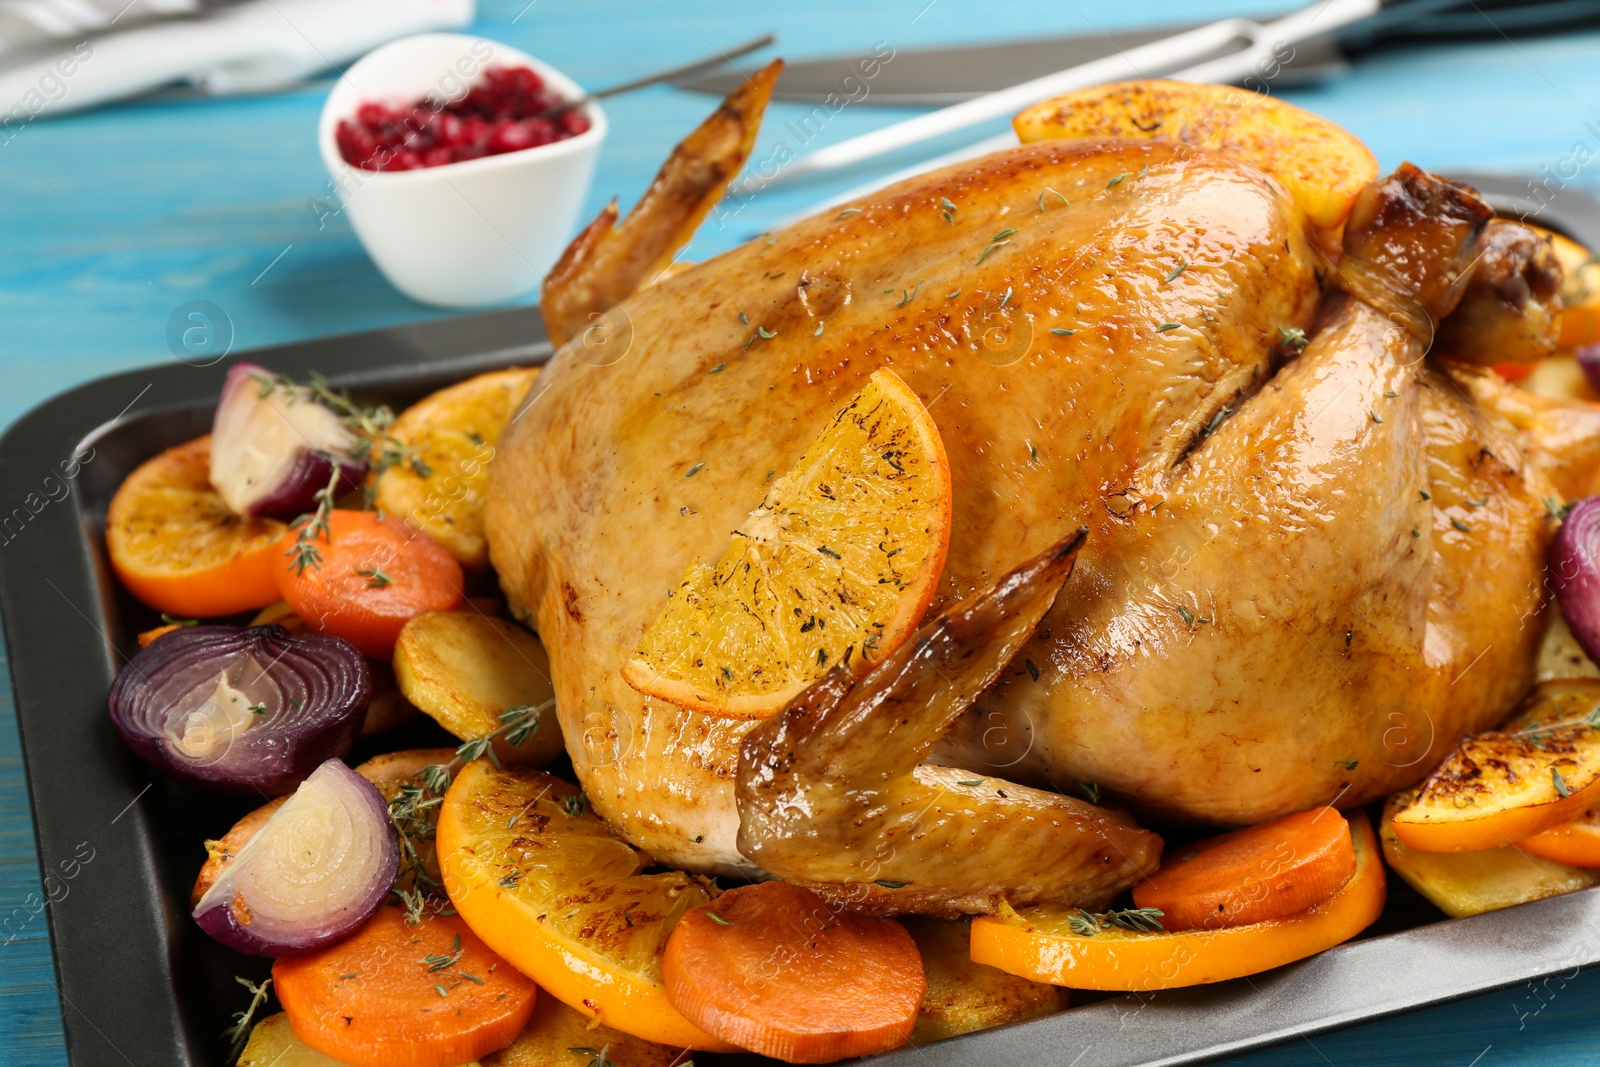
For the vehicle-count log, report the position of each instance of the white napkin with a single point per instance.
(252, 47)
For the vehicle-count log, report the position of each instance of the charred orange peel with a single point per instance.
(1538, 771)
(1040, 943)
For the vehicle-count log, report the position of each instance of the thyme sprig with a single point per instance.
(1139, 920)
(304, 550)
(414, 809)
(239, 1033)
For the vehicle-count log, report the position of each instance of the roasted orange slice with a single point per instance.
(179, 548)
(547, 884)
(1056, 945)
(838, 564)
(1322, 165)
(1576, 843)
(1538, 771)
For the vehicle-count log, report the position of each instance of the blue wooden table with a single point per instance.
(110, 220)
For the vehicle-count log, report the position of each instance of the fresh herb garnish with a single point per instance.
(239, 1032)
(376, 579)
(575, 804)
(887, 884)
(1051, 192)
(1139, 920)
(719, 920)
(1560, 783)
(171, 621)
(1091, 790)
(1347, 764)
(304, 550)
(1292, 339)
(1165, 326)
(1117, 180)
(1179, 269)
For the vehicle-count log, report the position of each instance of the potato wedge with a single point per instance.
(388, 772)
(1540, 769)
(964, 996)
(1469, 883)
(464, 669)
(1322, 165)
(1560, 655)
(559, 1036)
(446, 441)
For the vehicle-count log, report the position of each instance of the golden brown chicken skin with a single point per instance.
(1044, 321)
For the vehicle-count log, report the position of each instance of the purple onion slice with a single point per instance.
(241, 710)
(1574, 563)
(1588, 357)
(313, 874)
(274, 446)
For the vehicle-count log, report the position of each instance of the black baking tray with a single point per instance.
(141, 985)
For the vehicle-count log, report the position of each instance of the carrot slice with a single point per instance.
(178, 548)
(1576, 843)
(397, 995)
(772, 968)
(1042, 943)
(372, 575)
(1270, 871)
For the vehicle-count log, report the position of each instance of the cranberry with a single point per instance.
(508, 110)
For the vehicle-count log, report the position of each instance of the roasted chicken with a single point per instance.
(1314, 552)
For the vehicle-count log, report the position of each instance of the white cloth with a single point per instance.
(250, 47)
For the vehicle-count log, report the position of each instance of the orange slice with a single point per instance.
(1580, 292)
(178, 547)
(1539, 770)
(546, 884)
(1040, 944)
(837, 564)
(1577, 843)
(1322, 165)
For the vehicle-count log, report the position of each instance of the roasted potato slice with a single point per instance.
(439, 476)
(464, 669)
(388, 772)
(1560, 377)
(1541, 769)
(1468, 883)
(1322, 165)
(1560, 655)
(559, 1036)
(964, 996)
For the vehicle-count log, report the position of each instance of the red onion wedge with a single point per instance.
(241, 710)
(1574, 563)
(273, 446)
(313, 874)
(1588, 357)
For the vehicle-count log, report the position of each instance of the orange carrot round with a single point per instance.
(1271, 871)
(1576, 843)
(175, 545)
(397, 995)
(772, 968)
(367, 577)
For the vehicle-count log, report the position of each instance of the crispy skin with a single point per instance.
(831, 795)
(591, 520)
(1341, 581)
(608, 262)
(1509, 312)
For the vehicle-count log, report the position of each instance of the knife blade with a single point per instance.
(936, 77)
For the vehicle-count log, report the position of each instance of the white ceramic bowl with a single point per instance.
(465, 234)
